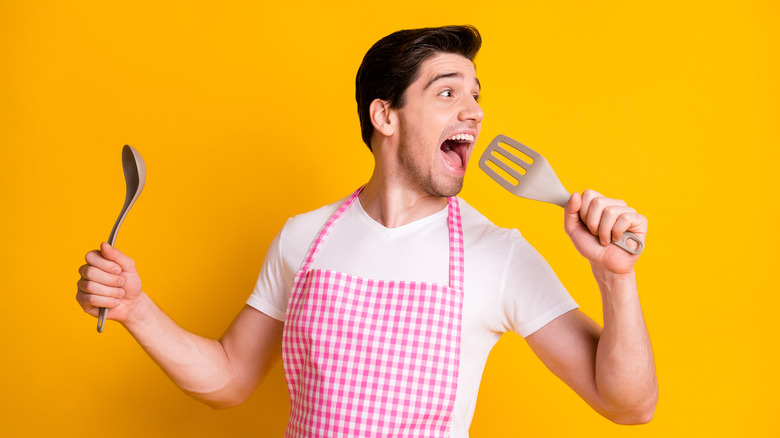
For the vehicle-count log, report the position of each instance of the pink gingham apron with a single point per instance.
(368, 358)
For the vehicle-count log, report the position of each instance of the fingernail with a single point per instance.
(116, 270)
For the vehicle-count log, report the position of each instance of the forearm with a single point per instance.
(198, 365)
(625, 368)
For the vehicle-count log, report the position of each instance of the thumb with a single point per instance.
(110, 253)
(571, 213)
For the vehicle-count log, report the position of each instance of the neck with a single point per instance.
(393, 205)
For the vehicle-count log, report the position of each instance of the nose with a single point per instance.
(471, 111)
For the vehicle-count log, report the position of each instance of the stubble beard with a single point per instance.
(421, 177)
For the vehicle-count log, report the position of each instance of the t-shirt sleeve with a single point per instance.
(274, 283)
(532, 293)
(283, 260)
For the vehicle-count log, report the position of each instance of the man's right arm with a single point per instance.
(221, 373)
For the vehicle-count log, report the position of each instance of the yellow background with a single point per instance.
(244, 113)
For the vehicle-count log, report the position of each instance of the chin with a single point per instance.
(444, 190)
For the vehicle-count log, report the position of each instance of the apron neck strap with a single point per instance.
(457, 266)
(456, 257)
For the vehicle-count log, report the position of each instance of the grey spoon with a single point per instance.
(135, 178)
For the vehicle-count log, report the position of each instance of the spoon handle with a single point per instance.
(101, 319)
(103, 312)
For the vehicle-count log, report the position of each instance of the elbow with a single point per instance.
(645, 417)
(219, 400)
(636, 417)
(219, 405)
(638, 414)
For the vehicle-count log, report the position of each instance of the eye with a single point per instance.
(446, 93)
(476, 97)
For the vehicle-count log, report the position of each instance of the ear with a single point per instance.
(382, 117)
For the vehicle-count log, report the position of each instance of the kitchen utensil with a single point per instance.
(135, 178)
(527, 174)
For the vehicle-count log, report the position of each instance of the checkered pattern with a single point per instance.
(366, 358)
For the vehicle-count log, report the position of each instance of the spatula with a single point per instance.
(135, 178)
(530, 176)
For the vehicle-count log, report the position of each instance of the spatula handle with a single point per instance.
(628, 235)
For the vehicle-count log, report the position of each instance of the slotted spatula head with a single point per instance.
(526, 173)
(522, 171)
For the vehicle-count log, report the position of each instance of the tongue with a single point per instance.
(453, 159)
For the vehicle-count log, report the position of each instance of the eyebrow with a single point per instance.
(446, 76)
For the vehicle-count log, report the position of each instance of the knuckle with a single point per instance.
(85, 304)
(90, 287)
(619, 212)
(90, 256)
(586, 197)
(87, 300)
(97, 301)
(590, 193)
(593, 225)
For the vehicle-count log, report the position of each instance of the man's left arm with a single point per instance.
(613, 368)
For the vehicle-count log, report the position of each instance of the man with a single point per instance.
(386, 303)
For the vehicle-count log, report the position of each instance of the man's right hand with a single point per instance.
(220, 373)
(109, 279)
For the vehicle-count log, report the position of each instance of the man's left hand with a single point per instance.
(592, 221)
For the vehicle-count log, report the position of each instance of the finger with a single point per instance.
(94, 288)
(595, 214)
(587, 198)
(608, 226)
(89, 301)
(571, 218)
(625, 222)
(92, 273)
(96, 259)
(115, 255)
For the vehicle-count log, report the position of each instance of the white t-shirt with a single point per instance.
(508, 286)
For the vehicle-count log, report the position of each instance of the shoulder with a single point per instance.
(478, 228)
(300, 230)
(489, 243)
(304, 222)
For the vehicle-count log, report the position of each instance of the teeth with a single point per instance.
(462, 137)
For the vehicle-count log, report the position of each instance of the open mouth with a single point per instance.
(455, 149)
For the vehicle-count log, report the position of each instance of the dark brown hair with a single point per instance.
(393, 63)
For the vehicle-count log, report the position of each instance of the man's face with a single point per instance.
(439, 125)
